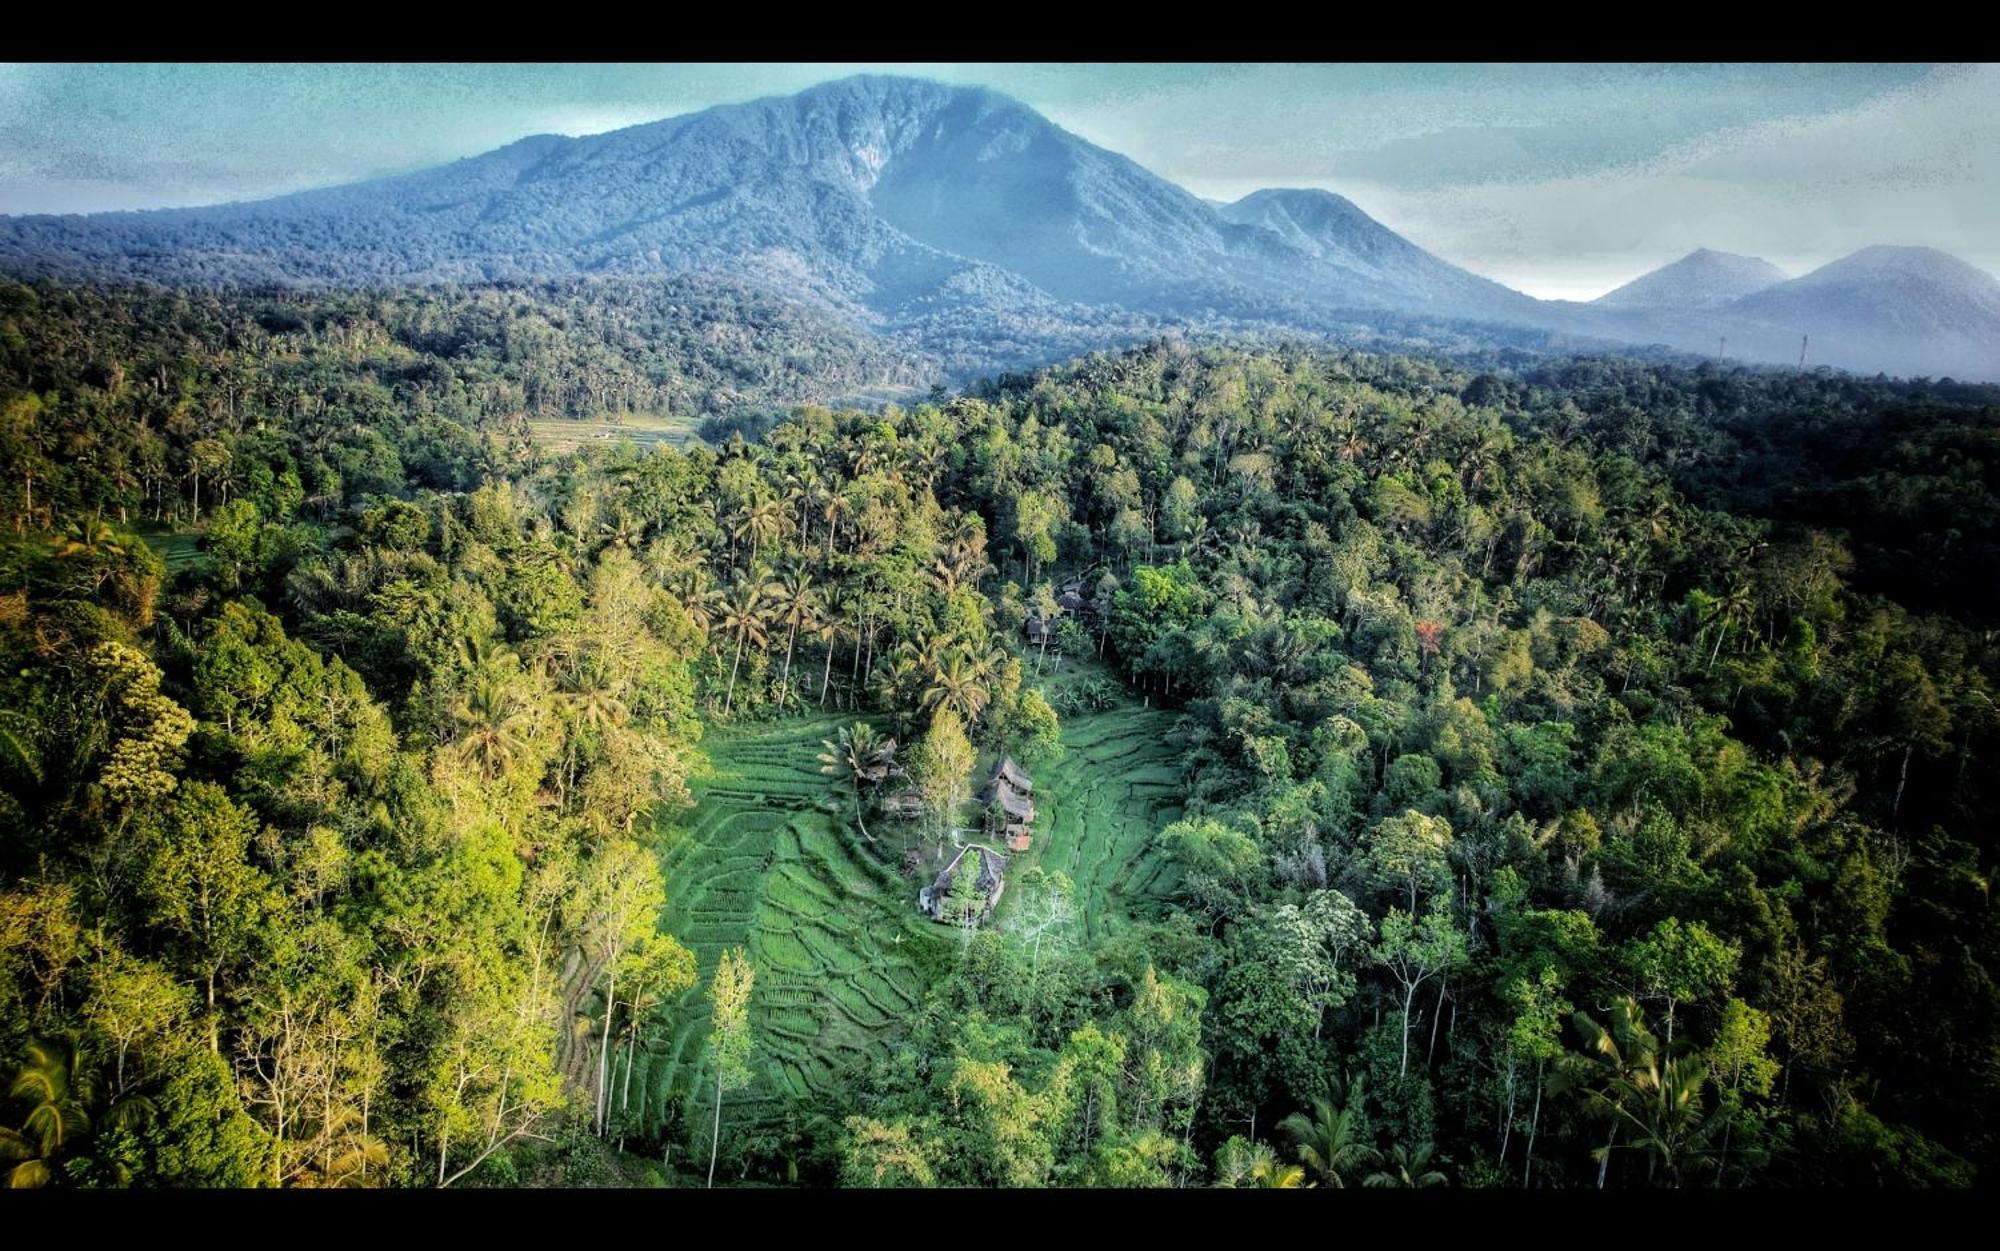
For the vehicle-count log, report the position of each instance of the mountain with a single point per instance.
(1896, 309)
(879, 192)
(1699, 280)
(967, 226)
(1334, 232)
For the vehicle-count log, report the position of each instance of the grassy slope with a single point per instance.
(1098, 808)
(561, 434)
(833, 929)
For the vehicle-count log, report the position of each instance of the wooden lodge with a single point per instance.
(1010, 801)
(992, 881)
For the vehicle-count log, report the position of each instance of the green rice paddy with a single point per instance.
(769, 859)
(177, 550)
(559, 435)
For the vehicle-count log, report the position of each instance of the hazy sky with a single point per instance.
(1559, 180)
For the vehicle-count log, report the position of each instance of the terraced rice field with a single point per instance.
(176, 551)
(1098, 808)
(768, 859)
(831, 928)
(560, 435)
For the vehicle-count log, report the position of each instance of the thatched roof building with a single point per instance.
(1011, 791)
(992, 880)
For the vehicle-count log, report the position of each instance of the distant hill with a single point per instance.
(1374, 259)
(1894, 309)
(959, 222)
(1701, 279)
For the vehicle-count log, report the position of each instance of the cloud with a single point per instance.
(1920, 165)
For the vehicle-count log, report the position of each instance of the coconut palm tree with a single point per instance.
(833, 506)
(802, 491)
(843, 605)
(955, 684)
(1268, 1172)
(1253, 1165)
(1330, 1142)
(350, 1154)
(1653, 1094)
(1407, 1169)
(495, 725)
(1625, 1082)
(61, 1091)
(757, 524)
(623, 530)
(855, 754)
(1734, 609)
(743, 616)
(793, 603)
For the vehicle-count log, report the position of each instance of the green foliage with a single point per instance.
(1465, 705)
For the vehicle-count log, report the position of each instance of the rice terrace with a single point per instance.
(769, 859)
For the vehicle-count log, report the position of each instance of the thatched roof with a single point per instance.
(991, 880)
(881, 764)
(1009, 772)
(1017, 806)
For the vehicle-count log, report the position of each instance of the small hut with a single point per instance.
(1010, 800)
(1038, 630)
(903, 806)
(992, 880)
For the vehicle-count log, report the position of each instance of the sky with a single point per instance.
(1560, 180)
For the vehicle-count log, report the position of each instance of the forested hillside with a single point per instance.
(1560, 776)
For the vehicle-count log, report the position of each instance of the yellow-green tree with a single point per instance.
(729, 1035)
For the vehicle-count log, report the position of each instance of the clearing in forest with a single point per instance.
(831, 927)
(769, 859)
(1098, 809)
(562, 434)
(177, 549)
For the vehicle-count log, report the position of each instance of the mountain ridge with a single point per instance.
(1704, 278)
(898, 200)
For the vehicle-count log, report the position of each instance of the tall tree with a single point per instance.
(729, 1036)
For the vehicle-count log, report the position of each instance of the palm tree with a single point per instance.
(1408, 1169)
(351, 1152)
(793, 603)
(825, 627)
(802, 490)
(91, 535)
(1620, 1071)
(61, 1092)
(1637, 1086)
(597, 710)
(494, 724)
(758, 523)
(956, 684)
(1329, 1142)
(854, 755)
(1254, 1165)
(1735, 608)
(833, 506)
(744, 616)
(623, 530)
(58, 1117)
(1270, 1173)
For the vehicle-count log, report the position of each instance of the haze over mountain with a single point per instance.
(913, 205)
(1701, 279)
(1915, 310)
